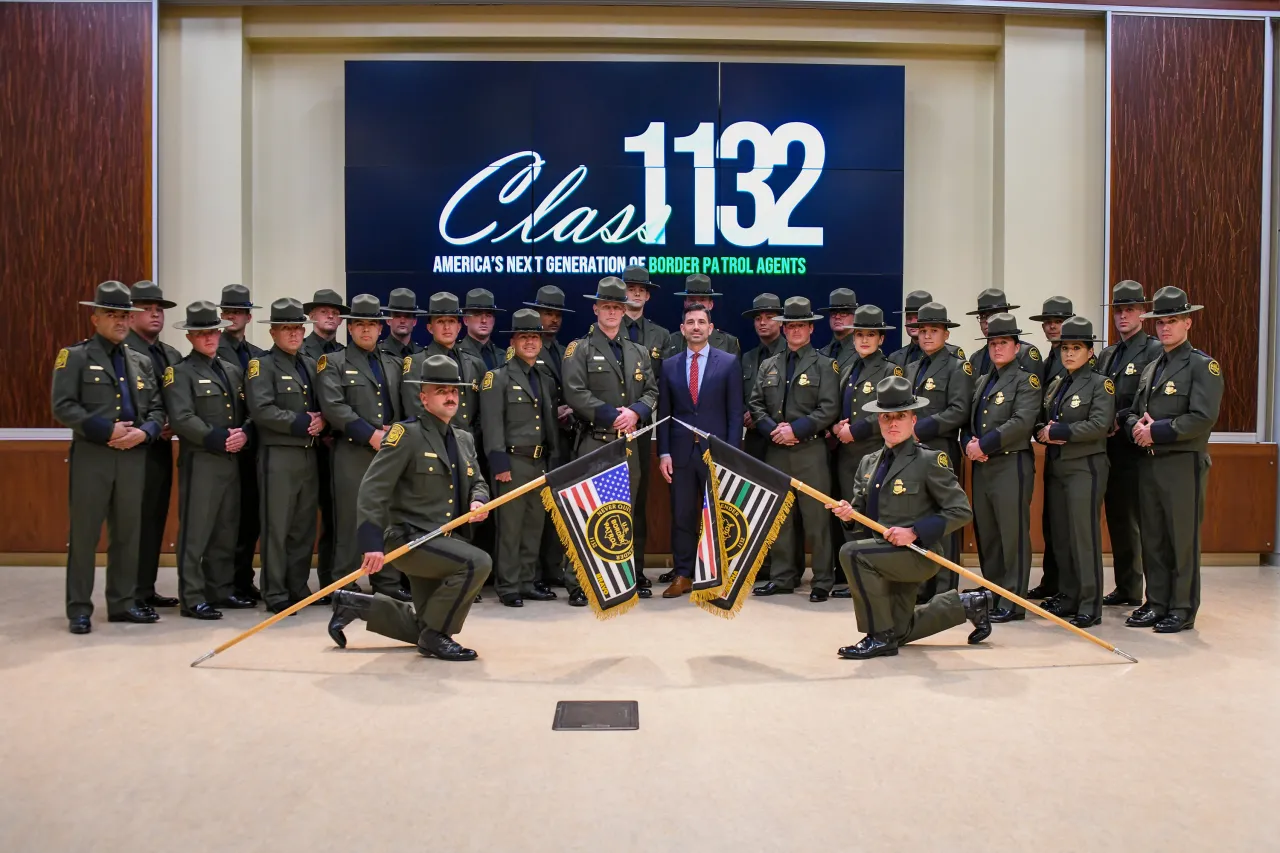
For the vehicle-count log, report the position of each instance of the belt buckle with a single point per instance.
(537, 452)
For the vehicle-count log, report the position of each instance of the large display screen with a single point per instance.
(786, 178)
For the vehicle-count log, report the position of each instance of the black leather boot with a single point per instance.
(977, 609)
(882, 644)
(433, 644)
(347, 608)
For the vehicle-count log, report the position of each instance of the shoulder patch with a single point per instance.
(835, 365)
(63, 353)
(511, 351)
(959, 352)
(1034, 354)
(1110, 386)
(322, 364)
(568, 351)
(488, 381)
(254, 368)
(394, 435)
(408, 362)
(943, 461)
(168, 376)
(968, 368)
(1214, 367)
(1034, 380)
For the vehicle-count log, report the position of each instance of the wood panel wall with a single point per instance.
(1240, 518)
(75, 179)
(1186, 180)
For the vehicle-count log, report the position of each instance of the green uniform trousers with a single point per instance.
(250, 517)
(806, 462)
(585, 446)
(1049, 575)
(350, 461)
(1077, 487)
(104, 486)
(208, 521)
(520, 524)
(884, 579)
(326, 548)
(1171, 490)
(157, 489)
(288, 491)
(1002, 488)
(847, 459)
(952, 543)
(1123, 512)
(445, 575)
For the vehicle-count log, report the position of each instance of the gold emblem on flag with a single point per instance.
(899, 488)
(609, 532)
(929, 384)
(733, 529)
(1075, 401)
(804, 379)
(1169, 388)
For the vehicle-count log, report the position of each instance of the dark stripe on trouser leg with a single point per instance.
(1024, 537)
(184, 516)
(462, 593)
(1095, 525)
(264, 540)
(1194, 602)
(856, 571)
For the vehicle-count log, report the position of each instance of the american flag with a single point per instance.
(706, 570)
(613, 579)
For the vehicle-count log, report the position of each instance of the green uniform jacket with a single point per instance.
(597, 387)
(1005, 422)
(948, 386)
(1184, 404)
(472, 369)
(471, 346)
(86, 395)
(865, 426)
(1085, 417)
(812, 402)
(919, 491)
(511, 416)
(1029, 359)
(653, 337)
(202, 410)
(277, 397)
(912, 353)
(840, 350)
(314, 346)
(751, 361)
(397, 350)
(410, 481)
(718, 339)
(171, 355)
(1123, 362)
(349, 394)
(229, 350)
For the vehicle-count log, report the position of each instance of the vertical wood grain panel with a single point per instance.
(1186, 180)
(75, 179)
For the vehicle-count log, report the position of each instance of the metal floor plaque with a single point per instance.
(596, 716)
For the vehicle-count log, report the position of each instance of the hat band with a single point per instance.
(237, 305)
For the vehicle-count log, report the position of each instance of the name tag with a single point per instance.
(430, 454)
(596, 357)
(285, 377)
(205, 381)
(356, 372)
(95, 367)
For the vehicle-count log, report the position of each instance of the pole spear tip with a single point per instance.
(202, 658)
(1130, 658)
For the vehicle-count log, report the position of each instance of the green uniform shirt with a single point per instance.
(919, 490)
(810, 402)
(855, 391)
(472, 370)
(411, 480)
(1003, 418)
(87, 392)
(281, 393)
(314, 346)
(350, 396)
(598, 386)
(204, 407)
(1123, 363)
(842, 350)
(512, 415)
(912, 353)
(1182, 391)
(489, 353)
(946, 381)
(1083, 413)
(1028, 358)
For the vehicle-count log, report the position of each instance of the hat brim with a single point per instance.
(855, 327)
(1155, 315)
(594, 298)
(751, 312)
(302, 322)
(163, 303)
(907, 311)
(388, 311)
(1046, 318)
(492, 309)
(687, 293)
(111, 307)
(308, 307)
(430, 314)
(435, 382)
(649, 284)
(547, 307)
(1078, 341)
(944, 323)
(379, 316)
(249, 307)
(813, 318)
(917, 403)
(1126, 302)
(998, 309)
(845, 309)
(538, 331)
(221, 324)
(1013, 333)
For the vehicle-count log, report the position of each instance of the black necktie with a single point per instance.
(850, 389)
(242, 353)
(1057, 400)
(127, 410)
(924, 368)
(305, 378)
(451, 447)
(375, 364)
(487, 356)
(158, 359)
(221, 374)
(877, 479)
(982, 401)
(1158, 374)
(616, 346)
(791, 371)
(633, 331)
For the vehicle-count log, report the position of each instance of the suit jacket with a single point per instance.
(718, 410)
(1184, 402)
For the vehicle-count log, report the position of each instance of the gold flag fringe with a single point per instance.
(769, 539)
(579, 570)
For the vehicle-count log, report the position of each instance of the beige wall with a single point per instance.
(1004, 140)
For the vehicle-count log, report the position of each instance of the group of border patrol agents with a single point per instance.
(385, 440)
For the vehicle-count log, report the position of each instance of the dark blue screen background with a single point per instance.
(417, 131)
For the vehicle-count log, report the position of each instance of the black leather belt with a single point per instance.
(606, 434)
(533, 451)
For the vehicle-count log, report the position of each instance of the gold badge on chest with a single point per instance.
(929, 384)
(653, 353)
(1169, 388)
(1075, 401)
(866, 388)
(639, 375)
(899, 488)
(140, 385)
(1129, 369)
(470, 471)
(803, 380)
(999, 397)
